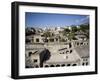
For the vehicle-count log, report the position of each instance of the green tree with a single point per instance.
(30, 31)
(71, 36)
(74, 29)
(84, 28)
(66, 31)
(47, 34)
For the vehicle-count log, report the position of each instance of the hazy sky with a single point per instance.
(50, 19)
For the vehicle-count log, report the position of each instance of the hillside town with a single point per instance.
(57, 46)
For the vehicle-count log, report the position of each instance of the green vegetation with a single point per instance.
(74, 29)
(85, 29)
(71, 36)
(48, 34)
(70, 33)
(30, 31)
(66, 32)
